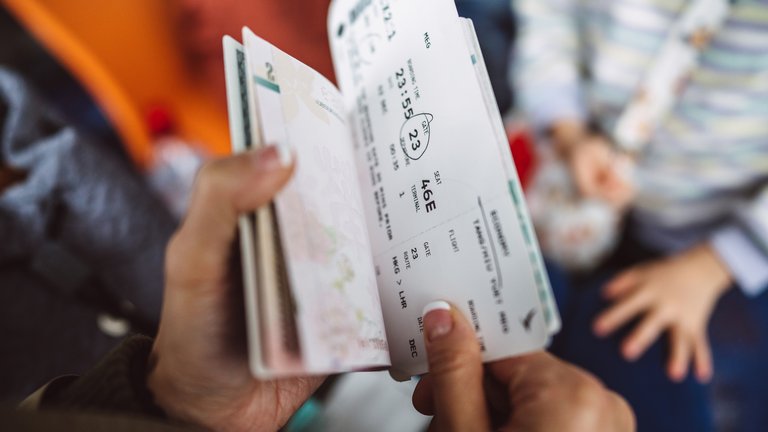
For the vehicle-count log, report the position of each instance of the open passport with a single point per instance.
(405, 192)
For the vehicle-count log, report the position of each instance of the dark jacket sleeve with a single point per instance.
(116, 384)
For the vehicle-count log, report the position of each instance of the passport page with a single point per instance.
(435, 179)
(320, 216)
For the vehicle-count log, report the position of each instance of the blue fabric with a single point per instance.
(739, 336)
(80, 235)
(495, 27)
(659, 404)
(747, 262)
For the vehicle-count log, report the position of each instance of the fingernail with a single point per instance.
(269, 158)
(438, 320)
(599, 329)
(286, 155)
(704, 377)
(630, 352)
(676, 375)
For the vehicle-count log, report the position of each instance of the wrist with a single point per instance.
(116, 384)
(186, 398)
(718, 272)
(158, 386)
(166, 393)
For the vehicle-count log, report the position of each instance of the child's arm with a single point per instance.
(743, 245)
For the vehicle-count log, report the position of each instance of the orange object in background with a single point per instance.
(127, 55)
(154, 65)
(296, 27)
(138, 57)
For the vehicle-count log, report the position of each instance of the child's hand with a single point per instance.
(676, 294)
(600, 172)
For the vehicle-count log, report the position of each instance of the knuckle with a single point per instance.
(584, 387)
(546, 394)
(689, 328)
(587, 397)
(680, 328)
(186, 264)
(665, 312)
(621, 408)
(588, 385)
(646, 294)
(594, 405)
(208, 171)
(210, 177)
(588, 409)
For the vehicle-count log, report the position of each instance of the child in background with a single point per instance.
(696, 232)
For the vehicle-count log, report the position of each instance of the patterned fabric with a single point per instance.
(666, 77)
(707, 163)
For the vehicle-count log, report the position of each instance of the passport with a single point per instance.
(404, 192)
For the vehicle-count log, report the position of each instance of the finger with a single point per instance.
(616, 185)
(585, 181)
(679, 355)
(620, 313)
(584, 171)
(622, 283)
(455, 369)
(643, 336)
(526, 376)
(575, 400)
(422, 396)
(223, 190)
(625, 417)
(702, 359)
(618, 195)
(514, 370)
(611, 180)
(497, 398)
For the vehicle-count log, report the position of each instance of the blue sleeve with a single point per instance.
(745, 259)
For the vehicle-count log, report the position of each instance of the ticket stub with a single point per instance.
(435, 182)
(404, 192)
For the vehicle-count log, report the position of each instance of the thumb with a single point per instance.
(455, 369)
(224, 189)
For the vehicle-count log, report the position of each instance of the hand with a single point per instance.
(199, 366)
(596, 169)
(676, 294)
(535, 392)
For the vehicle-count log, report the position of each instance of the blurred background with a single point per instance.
(108, 109)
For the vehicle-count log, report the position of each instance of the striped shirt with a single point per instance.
(704, 176)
